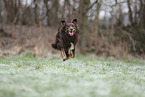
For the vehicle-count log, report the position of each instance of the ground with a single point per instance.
(83, 76)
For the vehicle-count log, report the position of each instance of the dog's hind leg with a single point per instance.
(54, 46)
(72, 53)
(67, 54)
(62, 53)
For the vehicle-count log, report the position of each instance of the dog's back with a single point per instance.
(58, 42)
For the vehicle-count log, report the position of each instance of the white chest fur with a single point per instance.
(72, 46)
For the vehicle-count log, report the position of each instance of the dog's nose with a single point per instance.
(71, 29)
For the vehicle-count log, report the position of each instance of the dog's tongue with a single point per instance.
(71, 33)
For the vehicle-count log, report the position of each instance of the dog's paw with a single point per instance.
(71, 54)
(65, 59)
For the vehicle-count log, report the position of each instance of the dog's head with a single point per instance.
(70, 28)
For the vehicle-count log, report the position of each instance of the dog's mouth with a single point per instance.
(71, 33)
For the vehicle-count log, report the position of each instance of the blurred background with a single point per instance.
(108, 27)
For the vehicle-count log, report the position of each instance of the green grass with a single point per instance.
(83, 76)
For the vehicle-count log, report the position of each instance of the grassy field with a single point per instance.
(83, 76)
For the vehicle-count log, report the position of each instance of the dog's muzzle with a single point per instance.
(71, 32)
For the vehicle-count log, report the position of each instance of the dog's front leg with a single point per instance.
(72, 53)
(72, 50)
(64, 54)
(67, 55)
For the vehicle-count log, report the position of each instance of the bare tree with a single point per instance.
(97, 28)
(0, 12)
(142, 12)
(36, 18)
(130, 12)
(85, 6)
(12, 8)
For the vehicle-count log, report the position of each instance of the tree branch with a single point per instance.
(92, 5)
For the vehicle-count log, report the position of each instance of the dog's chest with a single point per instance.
(72, 46)
(67, 39)
(69, 42)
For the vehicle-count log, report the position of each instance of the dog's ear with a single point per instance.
(74, 21)
(77, 26)
(63, 22)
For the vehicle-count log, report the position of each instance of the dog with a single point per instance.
(67, 38)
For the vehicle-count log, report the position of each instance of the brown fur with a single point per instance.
(66, 38)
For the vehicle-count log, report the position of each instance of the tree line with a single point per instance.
(104, 24)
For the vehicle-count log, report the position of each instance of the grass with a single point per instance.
(83, 76)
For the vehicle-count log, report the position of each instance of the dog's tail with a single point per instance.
(54, 46)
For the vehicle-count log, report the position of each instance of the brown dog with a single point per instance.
(67, 38)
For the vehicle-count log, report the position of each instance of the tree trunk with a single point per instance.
(47, 12)
(54, 12)
(0, 12)
(142, 13)
(83, 32)
(63, 10)
(36, 19)
(84, 19)
(130, 12)
(97, 27)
